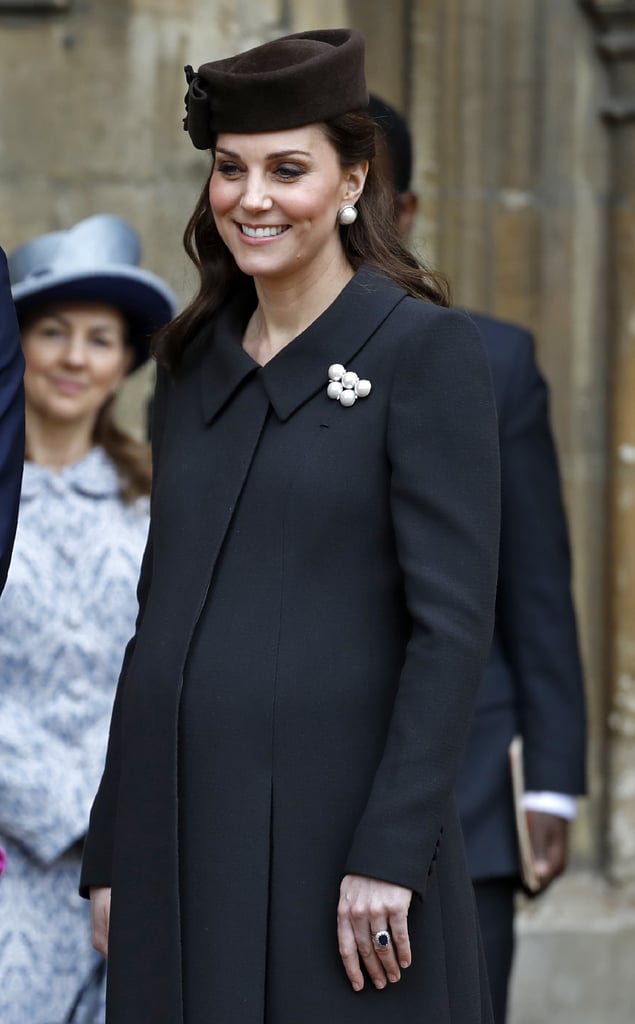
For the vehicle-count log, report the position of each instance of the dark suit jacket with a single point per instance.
(316, 601)
(533, 682)
(11, 420)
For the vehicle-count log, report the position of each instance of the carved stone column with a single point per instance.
(615, 34)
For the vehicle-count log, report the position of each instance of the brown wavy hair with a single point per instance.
(373, 239)
(132, 458)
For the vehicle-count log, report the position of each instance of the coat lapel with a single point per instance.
(215, 419)
(225, 364)
(300, 370)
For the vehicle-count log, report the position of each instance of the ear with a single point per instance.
(354, 180)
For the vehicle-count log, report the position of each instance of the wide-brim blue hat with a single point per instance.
(94, 261)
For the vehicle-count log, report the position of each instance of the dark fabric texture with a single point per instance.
(495, 899)
(533, 682)
(300, 79)
(11, 420)
(316, 607)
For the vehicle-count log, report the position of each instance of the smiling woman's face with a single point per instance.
(76, 356)
(275, 197)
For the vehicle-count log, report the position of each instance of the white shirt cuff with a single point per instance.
(560, 804)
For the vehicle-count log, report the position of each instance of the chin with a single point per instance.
(66, 413)
(263, 268)
(264, 263)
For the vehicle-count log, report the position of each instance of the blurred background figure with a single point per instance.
(11, 420)
(533, 684)
(86, 313)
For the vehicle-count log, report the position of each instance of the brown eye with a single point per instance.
(50, 331)
(288, 172)
(228, 169)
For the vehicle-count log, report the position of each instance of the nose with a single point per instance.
(255, 198)
(75, 349)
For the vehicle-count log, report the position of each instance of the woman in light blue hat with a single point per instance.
(87, 312)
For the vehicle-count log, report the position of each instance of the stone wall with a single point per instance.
(91, 120)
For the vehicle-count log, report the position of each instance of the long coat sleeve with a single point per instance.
(11, 420)
(533, 683)
(439, 524)
(316, 608)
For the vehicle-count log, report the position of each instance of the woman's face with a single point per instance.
(76, 356)
(275, 197)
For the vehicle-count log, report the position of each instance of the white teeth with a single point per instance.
(262, 232)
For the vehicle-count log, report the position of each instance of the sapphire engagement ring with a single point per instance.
(382, 940)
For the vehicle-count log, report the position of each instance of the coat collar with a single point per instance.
(225, 364)
(300, 370)
(94, 475)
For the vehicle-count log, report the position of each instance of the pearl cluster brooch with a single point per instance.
(345, 386)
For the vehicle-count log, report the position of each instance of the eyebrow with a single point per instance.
(270, 156)
(101, 325)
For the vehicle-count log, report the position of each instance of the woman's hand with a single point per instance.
(367, 906)
(100, 917)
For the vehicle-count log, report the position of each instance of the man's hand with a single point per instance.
(550, 842)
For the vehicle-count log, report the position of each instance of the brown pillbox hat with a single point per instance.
(297, 80)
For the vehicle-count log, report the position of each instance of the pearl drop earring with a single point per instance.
(347, 215)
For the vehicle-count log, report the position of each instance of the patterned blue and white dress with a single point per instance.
(66, 614)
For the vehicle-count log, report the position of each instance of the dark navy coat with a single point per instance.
(316, 608)
(533, 681)
(11, 420)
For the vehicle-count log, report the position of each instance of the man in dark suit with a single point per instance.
(11, 420)
(533, 682)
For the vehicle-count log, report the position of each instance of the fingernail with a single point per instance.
(357, 987)
(381, 984)
(392, 978)
(404, 963)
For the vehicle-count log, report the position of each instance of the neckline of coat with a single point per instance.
(300, 370)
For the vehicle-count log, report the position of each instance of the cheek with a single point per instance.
(108, 373)
(221, 196)
(37, 359)
(316, 205)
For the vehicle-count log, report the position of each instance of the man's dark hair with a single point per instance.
(398, 140)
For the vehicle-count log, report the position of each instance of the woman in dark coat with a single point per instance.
(276, 822)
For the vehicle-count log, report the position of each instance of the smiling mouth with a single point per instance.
(264, 232)
(69, 385)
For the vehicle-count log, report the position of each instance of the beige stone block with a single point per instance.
(574, 961)
(518, 60)
(384, 27)
(310, 14)
(512, 263)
